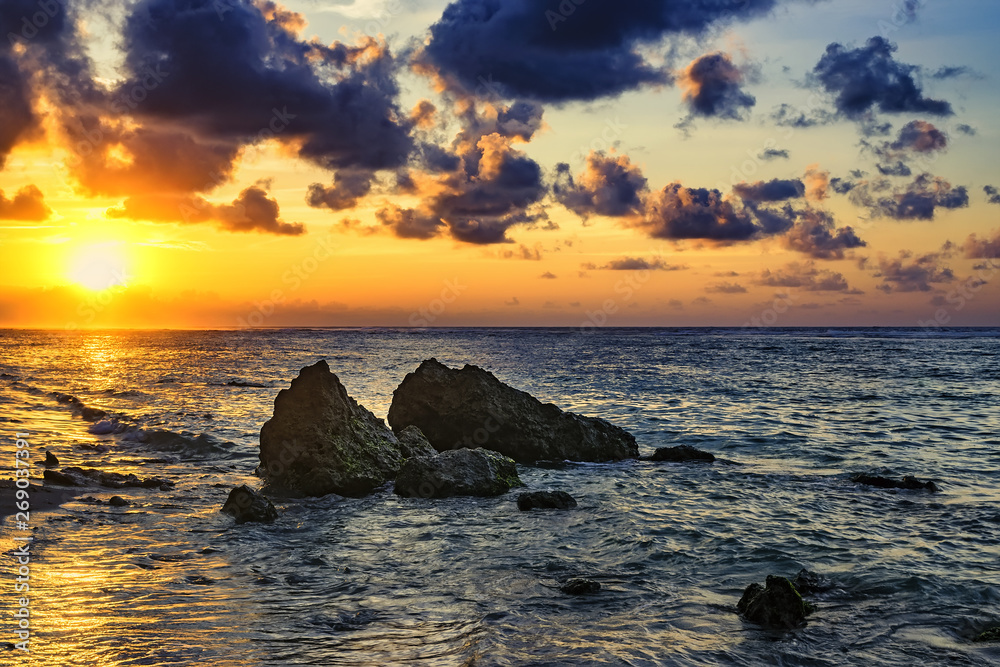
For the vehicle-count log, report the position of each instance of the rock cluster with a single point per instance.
(908, 483)
(457, 472)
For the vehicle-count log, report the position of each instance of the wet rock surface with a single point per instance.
(776, 605)
(579, 586)
(247, 505)
(457, 472)
(681, 453)
(545, 500)
(908, 482)
(472, 408)
(74, 476)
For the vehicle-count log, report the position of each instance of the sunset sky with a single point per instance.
(222, 163)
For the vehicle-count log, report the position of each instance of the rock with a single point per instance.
(91, 414)
(807, 582)
(776, 605)
(457, 472)
(321, 441)
(989, 635)
(51, 460)
(118, 501)
(244, 504)
(103, 427)
(681, 453)
(472, 408)
(580, 587)
(74, 476)
(908, 482)
(413, 442)
(559, 500)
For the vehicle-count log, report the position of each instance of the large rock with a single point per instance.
(777, 605)
(457, 472)
(321, 441)
(246, 505)
(472, 408)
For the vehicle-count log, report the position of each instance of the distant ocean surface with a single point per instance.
(383, 580)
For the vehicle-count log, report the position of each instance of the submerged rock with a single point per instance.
(989, 635)
(74, 476)
(103, 427)
(413, 442)
(776, 605)
(472, 408)
(117, 501)
(681, 453)
(909, 483)
(320, 440)
(457, 472)
(580, 587)
(807, 582)
(559, 500)
(245, 505)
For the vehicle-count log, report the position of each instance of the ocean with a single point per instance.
(383, 580)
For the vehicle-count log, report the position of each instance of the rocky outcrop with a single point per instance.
(413, 442)
(777, 605)
(989, 635)
(457, 472)
(559, 500)
(74, 476)
(321, 441)
(580, 587)
(246, 505)
(472, 408)
(908, 483)
(807, 582)
(51, 460)
(680, 454)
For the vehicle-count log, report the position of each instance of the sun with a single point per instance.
(100, 266)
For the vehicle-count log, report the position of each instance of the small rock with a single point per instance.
(74, 476)
(102, 427)
(989, 635)
(776, 605)
(244, 504)
(457, 472)
(908, 483)
(681, 453)
(92, 414)
(559, 500)
(51, 460)
(807, 582)
(413, 442)
(118, 501)
(580, 587)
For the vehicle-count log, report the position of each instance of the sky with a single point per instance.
(583, 163)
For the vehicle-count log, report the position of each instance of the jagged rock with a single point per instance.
(580, 587)
(118, 501)
(909, 483)
(776, 605)
(989, 635)
(559, 500)
(807, 582)
(244, 504)
(457, 472)
(681, 453)
(472, 408)
(321, 441)
(413, 442)
(51, 460)
(74, 476)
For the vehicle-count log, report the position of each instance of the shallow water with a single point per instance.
(384, 580)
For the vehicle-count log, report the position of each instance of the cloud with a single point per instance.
(609, 185)
(770, 191)
(921, 137)
(992, 194)
(815, 234)
(918, 201)
(349, 187)
(16, 115)
(785, 115)
(907, 273)
(726, 288)
(252, 211)
(868, 78)
(28, 204)
(678, 212)
(548, 275)
(805, 276)
(898, 169)
(569, 51)
(965, 129)
(774, 154)
(987, 247)
(636, 264)
(712, 86)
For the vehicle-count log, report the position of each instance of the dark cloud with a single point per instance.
(774, 154)
(548, 275)
(407, 223)
(770, 191)
(712, 86)
(636, 264)
(953, 72)
(349, 187)
(965, 129)
(869, 78)
(726, 288)
(898, 169)
(559, 51)
(815, 234)
(921, 137)
(918, 201)
(28, 204)
(807, 277)
(16, 115)
(907, 273)
(609, 185)
(785, 115)
(678, 212)
(252, 211)
(841, 185)
(992, 194)
(987, 247)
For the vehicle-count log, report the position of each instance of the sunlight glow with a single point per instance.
(100, 266)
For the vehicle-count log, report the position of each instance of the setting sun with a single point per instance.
(99, 266)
